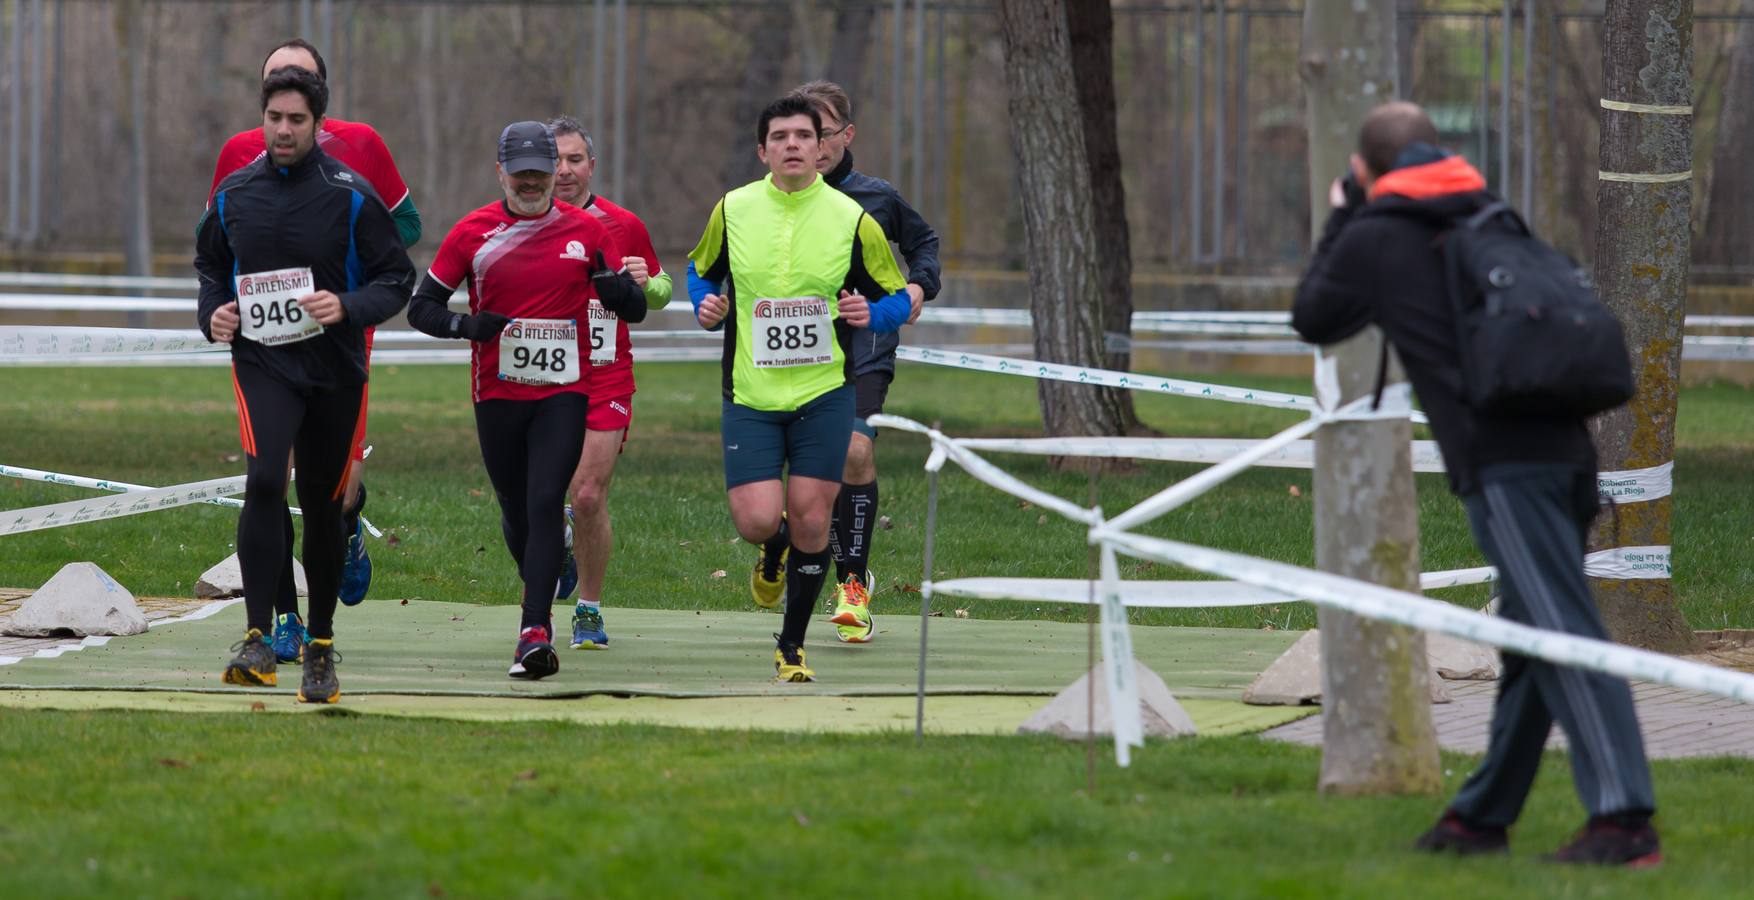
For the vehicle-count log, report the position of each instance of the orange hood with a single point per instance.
(1451, 175)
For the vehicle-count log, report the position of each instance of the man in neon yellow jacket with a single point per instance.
(785, 267)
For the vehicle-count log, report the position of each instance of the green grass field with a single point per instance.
(165, 805)
(103, 803)
(165, 426)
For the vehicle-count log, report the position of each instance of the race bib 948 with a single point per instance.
(540, 351)
(268, 306)
(791, 331)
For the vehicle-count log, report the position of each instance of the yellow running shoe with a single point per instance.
(254, 664)
(788, 663)
(852, 612)
(768, 594)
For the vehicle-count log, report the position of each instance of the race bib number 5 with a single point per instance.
(603, 332)
(268, 306)
(539, 351)
(791, 331)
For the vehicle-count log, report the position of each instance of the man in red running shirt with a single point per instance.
(549, 266)
(610, 380)
(361, 149)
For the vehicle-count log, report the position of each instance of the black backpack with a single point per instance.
(1534, 338)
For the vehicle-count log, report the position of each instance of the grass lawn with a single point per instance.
(166, 805)
(428, 489)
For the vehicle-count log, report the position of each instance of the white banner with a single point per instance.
(1117, 663)
(1637, 485)
(1626, 563)
(75, 512)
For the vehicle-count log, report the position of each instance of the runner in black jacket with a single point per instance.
(297, 255)
(1528, 484)
(873, 352)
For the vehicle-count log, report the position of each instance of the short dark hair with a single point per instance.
(789, 105)
(302, 44)
(560, 125)
(306, 82)
(1389, 129)
(829, 96)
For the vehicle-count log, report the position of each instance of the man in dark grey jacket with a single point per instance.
(1529, 486)
(855, 511)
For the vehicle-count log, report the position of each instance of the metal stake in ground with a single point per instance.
(1090, 657)
(926, 594)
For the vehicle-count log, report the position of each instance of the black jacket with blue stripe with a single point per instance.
(316, 213)
(874, 351)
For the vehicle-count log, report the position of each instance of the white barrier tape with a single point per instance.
(206, 611)
(1118, 672)
(988, 473)
(1457, 577)
(1637, 485)
(49, 340)
(1297, 455)
(103, 484)
(93, 303)
(1628, 563)
(1646, 177)
(74, 512)
(1108, 378)
(1649, 108)
(118, 282)
(379, 358)
(1400, 607)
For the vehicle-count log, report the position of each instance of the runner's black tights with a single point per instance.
(276, 420)
(531, 448)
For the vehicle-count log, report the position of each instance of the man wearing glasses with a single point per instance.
(855, 509)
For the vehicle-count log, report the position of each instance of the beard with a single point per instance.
(524, 207)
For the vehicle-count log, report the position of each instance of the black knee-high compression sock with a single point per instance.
(855, 517)
(771, 549)
(805, 573)
(286, 589)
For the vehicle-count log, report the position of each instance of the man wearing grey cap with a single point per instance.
(532, 266)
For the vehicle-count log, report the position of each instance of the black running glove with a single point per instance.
(482, 326)
(618, 292)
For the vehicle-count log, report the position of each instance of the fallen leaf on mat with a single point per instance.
(1295, 491)
(433, 890)
(962, 614)
(173, 763)
(884, 523)
(684, 543)
(456, 618)
(1041, 520)
(474, 492)
(232, 457)
(405, 603)
(527, 775)
(258, 706)
(1024, 504)
(392, 540)
(803, 820)
(718, 573)
(908, 588)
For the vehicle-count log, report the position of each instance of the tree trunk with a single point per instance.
(130, 24)
(1065, 259)
(1376, 701)
(1090, 28)
(770, 45)
(1729, 219)
(1645, 200)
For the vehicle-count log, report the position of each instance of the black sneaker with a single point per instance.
(1606, 842)
(320, 684)
(535, 657)
(254, 664)
(1452, 835)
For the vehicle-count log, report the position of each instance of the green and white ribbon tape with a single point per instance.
(97, 509)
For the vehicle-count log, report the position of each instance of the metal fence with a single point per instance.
(1210, 107)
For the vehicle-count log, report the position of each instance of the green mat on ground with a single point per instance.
(951, 714)
(449, 660)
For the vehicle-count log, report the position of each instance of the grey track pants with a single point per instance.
(1530, 519)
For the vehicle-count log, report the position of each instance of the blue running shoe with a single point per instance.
(289, 638)
(569, 569)
(587, 628)
(356, 568)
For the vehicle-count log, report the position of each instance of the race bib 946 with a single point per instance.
(791, 331)
(539, 351)
(268, 306)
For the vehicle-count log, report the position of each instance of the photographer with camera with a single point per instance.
(1510, 353)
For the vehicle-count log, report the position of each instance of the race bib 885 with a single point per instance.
(791, 331)
(268, 306)
(539, 351)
